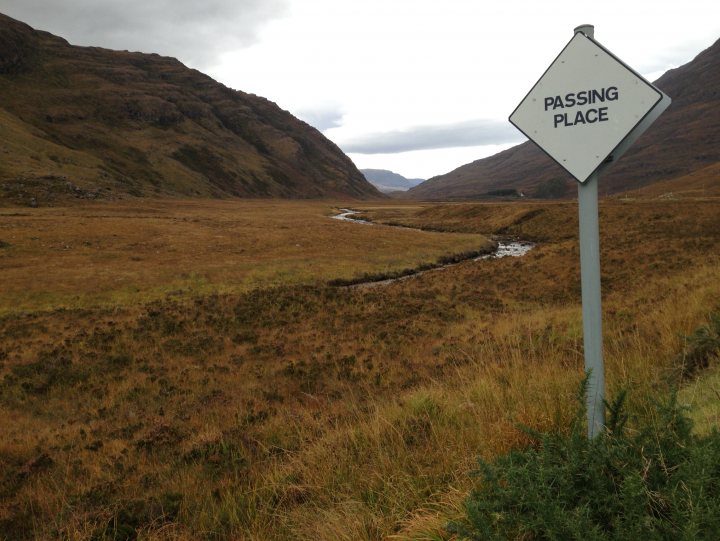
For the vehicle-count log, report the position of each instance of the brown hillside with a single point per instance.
(685, 138)
(90, 122)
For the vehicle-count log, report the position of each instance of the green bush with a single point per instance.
(657, 481)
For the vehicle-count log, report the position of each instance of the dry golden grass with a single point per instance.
(702, 396)
(701, 183)
(117, 254)
(309, 412)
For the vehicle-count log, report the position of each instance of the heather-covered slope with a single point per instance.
(686, 138)
(90, 122)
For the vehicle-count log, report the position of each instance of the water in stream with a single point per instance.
(505, 248)
(345, 216)
(510, 248)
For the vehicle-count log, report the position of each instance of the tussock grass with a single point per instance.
(307, 412)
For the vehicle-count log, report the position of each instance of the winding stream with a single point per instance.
(505, 248)
(345, 217)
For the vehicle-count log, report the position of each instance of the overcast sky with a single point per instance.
(416, 86)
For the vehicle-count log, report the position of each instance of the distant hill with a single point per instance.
(387, 181)
(87, 122)
(685, 139)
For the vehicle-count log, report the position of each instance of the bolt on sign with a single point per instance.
(587, 108)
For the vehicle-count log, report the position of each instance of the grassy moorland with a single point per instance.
(120, 254)
(182, 370)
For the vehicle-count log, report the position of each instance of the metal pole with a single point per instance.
(591, 297)
(591, 303)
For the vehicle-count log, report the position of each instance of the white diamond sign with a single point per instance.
(587, 108)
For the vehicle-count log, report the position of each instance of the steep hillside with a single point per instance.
(86, 122)
(686, 138)
(388, 181)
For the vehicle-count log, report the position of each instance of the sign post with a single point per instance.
(591, 293)
(585, 112)
(591, 304)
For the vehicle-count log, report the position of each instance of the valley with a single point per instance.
(214, 326)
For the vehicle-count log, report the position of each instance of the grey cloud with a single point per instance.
(322, 119)
(194, 31)
(461, 134)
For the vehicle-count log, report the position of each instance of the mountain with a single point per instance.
(685, 139)
(87, 122)
(387, 181)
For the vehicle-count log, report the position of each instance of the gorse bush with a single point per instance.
(657, 481)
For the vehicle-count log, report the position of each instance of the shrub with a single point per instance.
(655, 482)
